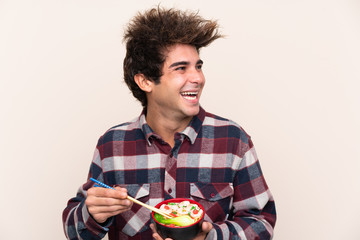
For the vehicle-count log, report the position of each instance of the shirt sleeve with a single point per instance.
(254, 215)
(77, 221)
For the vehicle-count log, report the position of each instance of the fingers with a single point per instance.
(155, 235)
(103, 203)
(119, 193)
(106, 201)
(95, 209)
(102, 217)
(102, 197)
(206, 227)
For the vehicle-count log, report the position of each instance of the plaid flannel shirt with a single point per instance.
(213, 162)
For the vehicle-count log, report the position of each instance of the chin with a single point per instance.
(192, 112)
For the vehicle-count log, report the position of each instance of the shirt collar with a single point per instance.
(191, 131)
(146, 129)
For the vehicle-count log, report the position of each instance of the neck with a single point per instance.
(166, 125)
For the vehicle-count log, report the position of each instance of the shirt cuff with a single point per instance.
(93, 225)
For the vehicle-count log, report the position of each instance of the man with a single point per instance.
(174, 148)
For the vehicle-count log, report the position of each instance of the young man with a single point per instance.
(174, 148)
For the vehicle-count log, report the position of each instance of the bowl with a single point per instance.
(178, 232)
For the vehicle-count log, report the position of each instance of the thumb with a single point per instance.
(206, 227)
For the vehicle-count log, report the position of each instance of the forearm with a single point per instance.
(244, 228)
(77, 221)
(78, 224)
(253, 210)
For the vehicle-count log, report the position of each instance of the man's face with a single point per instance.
(178, 93)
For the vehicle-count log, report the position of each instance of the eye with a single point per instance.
(182, 68)
(199, 66)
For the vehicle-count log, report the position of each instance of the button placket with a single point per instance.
(170, 176)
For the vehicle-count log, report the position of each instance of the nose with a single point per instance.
(196, 76)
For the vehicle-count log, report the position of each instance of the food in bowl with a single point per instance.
(186, 222)
(184, 213)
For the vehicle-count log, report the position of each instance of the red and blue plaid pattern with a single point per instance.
(213, 162)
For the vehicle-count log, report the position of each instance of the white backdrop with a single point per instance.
(288, 72)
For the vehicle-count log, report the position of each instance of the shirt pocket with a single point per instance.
(136, 219)
(216, 198)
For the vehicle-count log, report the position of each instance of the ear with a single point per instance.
(143, 83)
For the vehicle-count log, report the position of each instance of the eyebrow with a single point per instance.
(181, 63)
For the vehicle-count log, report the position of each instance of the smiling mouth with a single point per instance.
(189, 95)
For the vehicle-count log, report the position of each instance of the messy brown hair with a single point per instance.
(148, 35)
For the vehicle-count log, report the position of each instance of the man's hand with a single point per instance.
(103, 203)
(206, 227)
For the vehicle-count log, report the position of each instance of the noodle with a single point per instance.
(183, 208)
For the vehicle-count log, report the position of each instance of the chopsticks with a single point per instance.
(100, 184)
(150, 207)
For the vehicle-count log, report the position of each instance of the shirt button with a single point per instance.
(170, 190)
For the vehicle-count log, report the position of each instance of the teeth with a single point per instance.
(189, 95)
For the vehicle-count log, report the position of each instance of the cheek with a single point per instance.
(176, 85)
(203, 77)
(202, 83)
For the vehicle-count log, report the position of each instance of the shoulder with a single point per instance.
(221, 127)
(126, 131)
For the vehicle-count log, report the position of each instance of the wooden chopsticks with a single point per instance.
(135, 200)
(150, 207)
